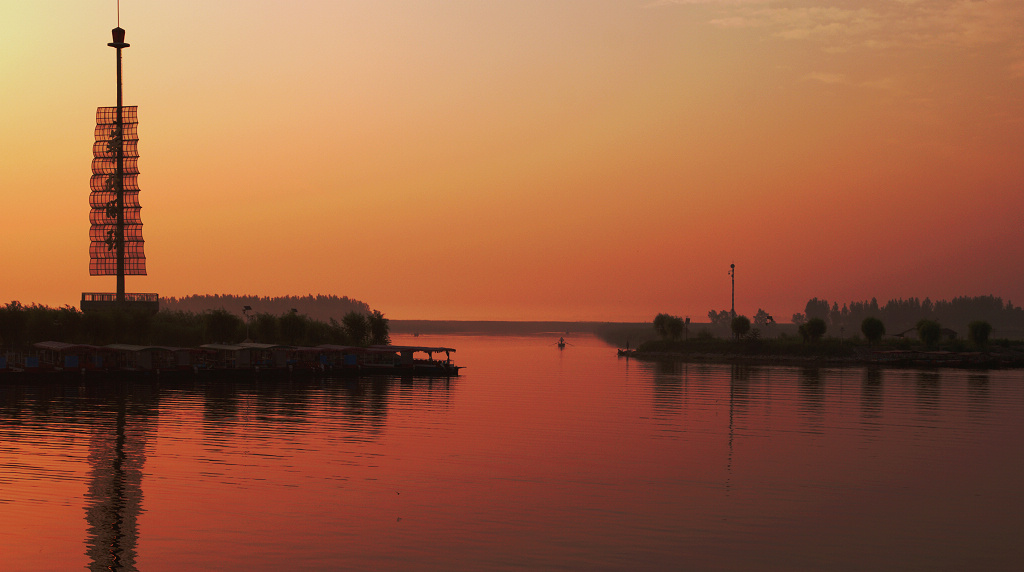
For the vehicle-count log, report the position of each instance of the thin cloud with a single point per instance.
(722, 2)
(828, 78)
(875, 24)
(831, 78)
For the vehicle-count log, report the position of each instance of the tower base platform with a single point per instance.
(107, 302)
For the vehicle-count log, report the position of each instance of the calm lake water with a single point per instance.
(534, 458)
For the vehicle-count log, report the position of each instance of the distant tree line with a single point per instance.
(320, 307)
(725, 318)
(669, 327)
(903, 315)
(21, 326)
(813, 342)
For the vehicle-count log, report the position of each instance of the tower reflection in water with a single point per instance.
(113, 500)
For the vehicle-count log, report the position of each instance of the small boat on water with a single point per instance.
(407, 360)
(561, 343)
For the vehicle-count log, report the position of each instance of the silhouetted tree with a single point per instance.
(264, 328)
(21, 326)
(293, 328)
(835, 316)
(357, 329)
(379, 329)
(740, 326)
(13, 324)
(222, 326)
(675, 327)
(900, 314)
(181, 329)
(139, 325)
(979, 331)
(816, 308)
(720, 318)
(929, 331)
(668, 326)
(872, 328)
(813, 330)
(799, 318)
(661, 325)
(101, 328)
(317, 307)
(318, 332)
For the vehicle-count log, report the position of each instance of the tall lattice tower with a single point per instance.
(116, 247)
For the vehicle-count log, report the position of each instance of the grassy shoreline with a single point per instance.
(997, 354)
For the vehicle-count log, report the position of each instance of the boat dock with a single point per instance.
(67, 359)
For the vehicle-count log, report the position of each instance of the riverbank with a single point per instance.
(826, 354)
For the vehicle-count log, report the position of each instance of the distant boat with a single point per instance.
(561, 343)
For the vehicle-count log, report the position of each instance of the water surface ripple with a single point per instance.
(534, 458)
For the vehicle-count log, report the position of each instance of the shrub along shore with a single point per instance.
(998, 354)
(930, 348)
(21, 326)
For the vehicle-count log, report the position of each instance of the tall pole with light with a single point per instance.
(119, 44)
(732, 274)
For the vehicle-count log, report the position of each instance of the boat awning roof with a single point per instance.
(63, 346)
(223, 347)
(337, 348)
(411, 349)
(255, 346)
(134, 348)
(245, 346)
(303, 349)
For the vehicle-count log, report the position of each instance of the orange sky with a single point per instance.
(528, 159)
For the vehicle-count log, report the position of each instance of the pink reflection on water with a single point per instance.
(542, 458)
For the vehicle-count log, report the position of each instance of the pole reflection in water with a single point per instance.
(978, 393)
(929, 392)
(871, 396)
(113, 501)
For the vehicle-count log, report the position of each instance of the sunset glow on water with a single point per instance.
(535, 458)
